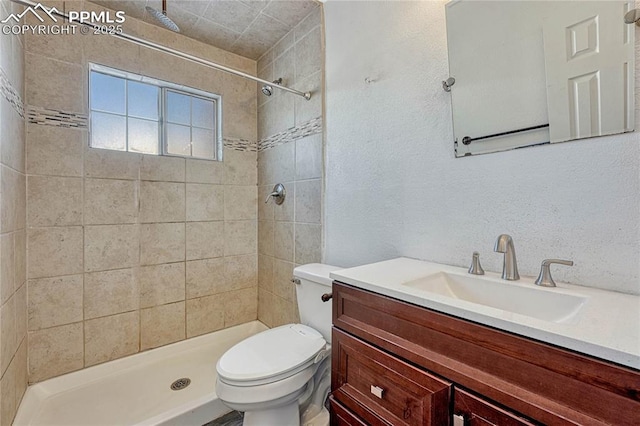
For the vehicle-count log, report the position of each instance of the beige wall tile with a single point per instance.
(308, 243)
(265, 307)
(265, 210)
(105, 163)
(63, 89)
(306, 110)
(266, 237)
(277, 165)
(8, 335)
(110, 247)
(22, 373)
(309, 157)
(204, 315)
(111, 51)
(265, 273)
(205, 202)
(21, 313)
(161, 284)
(109, 201)
(240, 202)
(162, 243)
(7, 266)
(205, 240)
(240, 306)
(284, 312)
(13, 207)
(111, 337)
(55, 351)
(284, 211)
(162, 202)
(276, 116)
(309, 201)
(283, 241)
(12, 154)
(309, 54)
(63, 47)
(20, 257)
(8, 396)
(240, 108)
(54, 201)
(240, 237)
(110, 292)
(307, 24)
(54, 151)
(160, 168)
(55, 301)
(205, 171)
(205, 277)
(54, 251)
(240, 167)
(241, 271)
(162, 325)
(282, 285)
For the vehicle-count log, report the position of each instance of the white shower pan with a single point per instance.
(136, 390)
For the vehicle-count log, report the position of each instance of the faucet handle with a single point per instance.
(544, 278)
(476, 268)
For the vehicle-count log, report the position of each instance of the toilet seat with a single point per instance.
(272, 355)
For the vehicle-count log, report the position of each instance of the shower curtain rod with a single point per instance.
(177, 53)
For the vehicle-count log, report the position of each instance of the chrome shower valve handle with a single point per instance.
(278, 194)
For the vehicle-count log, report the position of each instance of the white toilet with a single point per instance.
(282, 376)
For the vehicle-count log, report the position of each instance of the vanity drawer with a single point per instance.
(340, 416)
(381, 389)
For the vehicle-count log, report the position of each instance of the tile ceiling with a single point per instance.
(246, 27)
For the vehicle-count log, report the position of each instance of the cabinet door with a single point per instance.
(340, 416)
(382, 389)
(478, 412)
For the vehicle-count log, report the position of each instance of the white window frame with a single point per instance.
(164, 87)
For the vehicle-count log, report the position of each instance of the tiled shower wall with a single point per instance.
(128, 252)
(290, 151)
(13, 291)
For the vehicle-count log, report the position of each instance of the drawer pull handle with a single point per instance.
(377, 391)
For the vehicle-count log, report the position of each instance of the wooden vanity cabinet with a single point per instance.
(394, 363)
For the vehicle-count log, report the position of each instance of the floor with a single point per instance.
(233, 418)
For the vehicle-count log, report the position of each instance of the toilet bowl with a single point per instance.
(281, 376)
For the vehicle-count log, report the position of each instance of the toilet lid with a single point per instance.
(270, 353)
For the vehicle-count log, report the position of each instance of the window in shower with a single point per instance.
(133, 113)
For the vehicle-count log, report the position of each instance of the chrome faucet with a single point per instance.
(504, 244)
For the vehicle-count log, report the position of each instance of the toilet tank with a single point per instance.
(314, 282)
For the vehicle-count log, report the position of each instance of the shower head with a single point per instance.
(162, 18)
(632, 17)
(267, 89)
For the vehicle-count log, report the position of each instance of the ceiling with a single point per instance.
(246, 27)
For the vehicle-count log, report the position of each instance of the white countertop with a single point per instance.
(607, 326)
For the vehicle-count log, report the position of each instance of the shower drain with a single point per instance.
(180, 384)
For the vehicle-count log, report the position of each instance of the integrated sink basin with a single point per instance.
(522, 299)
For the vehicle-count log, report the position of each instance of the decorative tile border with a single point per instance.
(242, 145)
(57, 118)
(309, 128)
(10, 94)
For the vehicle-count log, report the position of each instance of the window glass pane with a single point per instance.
(108, 131)
(107, 93)
(178, 108)
(143, 100)
(202, 143)
(202, 113)
(178, 139)
(143, 136)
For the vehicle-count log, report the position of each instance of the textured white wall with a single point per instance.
(394, 188)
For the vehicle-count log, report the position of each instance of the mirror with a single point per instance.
(536, 72)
